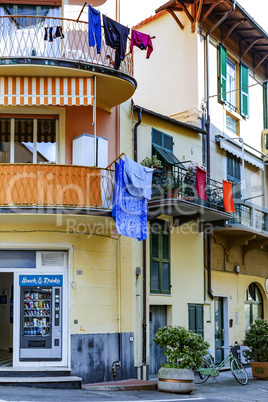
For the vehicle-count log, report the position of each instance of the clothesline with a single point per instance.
(115, 160)
(82, 11)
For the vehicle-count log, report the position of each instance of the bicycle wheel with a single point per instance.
(239, 372)
(200, 378)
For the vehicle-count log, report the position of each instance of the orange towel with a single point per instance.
(228, 196)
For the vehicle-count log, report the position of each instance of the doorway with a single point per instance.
(221, 319)
(6, 319)
(158, 319)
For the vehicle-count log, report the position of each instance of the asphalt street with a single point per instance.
(224, 388)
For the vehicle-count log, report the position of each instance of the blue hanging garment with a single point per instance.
(94, 28)
(129, 213)
(138, 179)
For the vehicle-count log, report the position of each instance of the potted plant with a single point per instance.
(170, 188)
(185, 351)
(152, 162)
(256, 339)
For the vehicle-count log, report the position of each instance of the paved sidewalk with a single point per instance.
(126, 385)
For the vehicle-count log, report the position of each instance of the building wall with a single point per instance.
(234, 287)
(100, 288)
(174, 58)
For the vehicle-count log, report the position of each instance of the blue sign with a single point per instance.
(40, 280)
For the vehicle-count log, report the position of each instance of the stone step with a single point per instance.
(59, 382)
(48, 372)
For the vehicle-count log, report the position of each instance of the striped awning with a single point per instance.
(46, 91)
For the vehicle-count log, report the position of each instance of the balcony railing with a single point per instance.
(53, 39)
(57, 186)
(180, 183)
(249, 215)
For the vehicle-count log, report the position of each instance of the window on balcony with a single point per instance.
(160, 257)
(28, 140)
(229, 83)
(253, 305)
(234, 173)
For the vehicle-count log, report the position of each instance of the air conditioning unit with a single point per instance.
(83, 151)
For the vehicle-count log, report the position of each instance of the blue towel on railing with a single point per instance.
(129, 213)
(138, 179)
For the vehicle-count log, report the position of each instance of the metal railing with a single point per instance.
(180, 183)
(51, 38)
(58, 186)
(250, 215)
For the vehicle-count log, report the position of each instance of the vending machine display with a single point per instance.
(41, 321)
(37, 312)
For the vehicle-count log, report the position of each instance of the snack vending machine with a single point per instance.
(41, 317)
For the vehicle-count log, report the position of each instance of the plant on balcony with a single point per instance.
(170, 188)
(185, 351)
(152, 162)
(256, 339)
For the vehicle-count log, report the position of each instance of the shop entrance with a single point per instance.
(6, 319)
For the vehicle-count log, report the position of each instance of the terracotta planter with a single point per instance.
(179, 381)
(172, 193)
(260, 370)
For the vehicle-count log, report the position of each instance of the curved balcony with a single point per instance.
(31, 45)
(55, 188)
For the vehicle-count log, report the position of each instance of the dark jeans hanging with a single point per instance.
(116, 37)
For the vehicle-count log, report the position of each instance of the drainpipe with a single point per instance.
(136, 133)
(144, 320)
(208, 236)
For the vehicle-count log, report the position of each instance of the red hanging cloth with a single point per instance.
(228, 196)
(200, 183)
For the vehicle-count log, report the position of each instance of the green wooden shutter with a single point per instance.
(195, 318)
(191, 317)
(222, 73)
(243, 90)
(199, 320)
(265, 105)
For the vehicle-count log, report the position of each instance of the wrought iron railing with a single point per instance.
(180, 183)
(250, 215)
(58, 186)
(51, 38)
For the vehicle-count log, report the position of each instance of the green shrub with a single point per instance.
(256, 338)
(183, 348)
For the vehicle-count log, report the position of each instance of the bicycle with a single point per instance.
(209, 369)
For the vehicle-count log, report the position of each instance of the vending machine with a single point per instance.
(41, 317)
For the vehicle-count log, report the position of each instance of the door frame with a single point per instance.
(225, 323)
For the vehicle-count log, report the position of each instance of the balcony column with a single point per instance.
(253, 217)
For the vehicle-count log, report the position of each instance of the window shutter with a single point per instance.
(222, 73)
(199, 320)
(243, 90)
(265, 105)
(191, 316)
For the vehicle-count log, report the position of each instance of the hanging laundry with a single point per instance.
(142, 41)
(138, 179)
(200, 183)
(51, 34)
(94, 28)
(129, 213)
(228, 201)
(116, 37)
(48, 34)
(58, 33)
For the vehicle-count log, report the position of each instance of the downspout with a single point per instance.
(144, 312)
(136, 133)
(208, 236)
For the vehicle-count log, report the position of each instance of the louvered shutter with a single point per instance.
(222, 73)
(243, 90)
